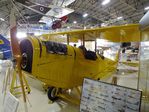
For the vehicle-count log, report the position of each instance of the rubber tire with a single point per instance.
(50, 89)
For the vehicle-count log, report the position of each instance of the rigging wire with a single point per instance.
(24, 19)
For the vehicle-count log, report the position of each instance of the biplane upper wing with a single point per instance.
(125, 33)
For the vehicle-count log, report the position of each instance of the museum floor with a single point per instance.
(38, 101)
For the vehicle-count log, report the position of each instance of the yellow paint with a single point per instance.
(134, 64)
(1, 41)
(125, 33)
(66, 71)
(14, 86)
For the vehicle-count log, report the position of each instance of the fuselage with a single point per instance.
(61, 65)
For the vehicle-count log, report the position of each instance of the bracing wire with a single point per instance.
(24, 19)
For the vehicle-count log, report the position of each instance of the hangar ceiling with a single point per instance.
(130, 10)
(116, 12)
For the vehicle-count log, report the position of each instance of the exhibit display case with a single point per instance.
(143, 79)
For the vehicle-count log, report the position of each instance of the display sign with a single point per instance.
(11, 103)
(99, 96)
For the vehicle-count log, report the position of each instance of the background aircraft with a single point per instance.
(54, 16)
(5, 49)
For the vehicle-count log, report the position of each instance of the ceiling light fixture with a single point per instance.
(85, 15)
(105, 2)
(2, 19)
(118, 18)
(75, 22)
(146, 8)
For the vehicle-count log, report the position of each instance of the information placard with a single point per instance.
(99, 96)
(11, 103)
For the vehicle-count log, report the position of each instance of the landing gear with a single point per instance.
(52, 93)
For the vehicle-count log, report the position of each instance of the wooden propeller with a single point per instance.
(16, 51)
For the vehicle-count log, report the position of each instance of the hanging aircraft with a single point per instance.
(53, 15)
(5, 48)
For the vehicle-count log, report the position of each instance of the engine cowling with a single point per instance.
(27, 55)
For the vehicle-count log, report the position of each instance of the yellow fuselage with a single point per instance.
(65, 70)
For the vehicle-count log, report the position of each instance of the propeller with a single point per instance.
(16, 52)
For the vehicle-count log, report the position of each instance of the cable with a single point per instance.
(62, 3)
(24, 19)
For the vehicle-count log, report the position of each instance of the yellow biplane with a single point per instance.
(64, 66)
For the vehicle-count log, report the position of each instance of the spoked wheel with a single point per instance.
(52, 93)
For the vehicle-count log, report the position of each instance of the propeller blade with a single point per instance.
(13, 31)
(16, 52)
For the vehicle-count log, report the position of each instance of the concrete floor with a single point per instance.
(38, 100)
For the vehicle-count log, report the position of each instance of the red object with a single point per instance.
(64, 18)
(58, 23)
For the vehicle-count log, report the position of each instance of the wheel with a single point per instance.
(52, 93)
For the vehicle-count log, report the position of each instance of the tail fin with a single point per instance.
(4, 41)
(5, 49)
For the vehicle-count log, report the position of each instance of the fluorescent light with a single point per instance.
(2, 19)
(75, 22)
(146, 8)
(21, 35)
(85, 15)
(105, 2)
(119, 17)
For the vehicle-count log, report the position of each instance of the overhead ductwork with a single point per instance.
(144, 22)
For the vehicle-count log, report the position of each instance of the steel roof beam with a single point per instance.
(128, 5)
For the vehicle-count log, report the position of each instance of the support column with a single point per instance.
(68, 39)
(95, 45)
(83, 40)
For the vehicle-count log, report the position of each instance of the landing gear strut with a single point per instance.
(52, 93)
